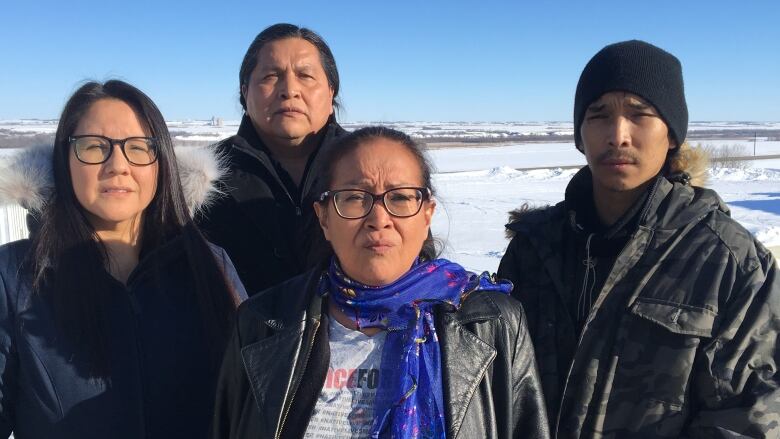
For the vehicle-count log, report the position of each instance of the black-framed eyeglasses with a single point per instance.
(401, 202)
(92, 149)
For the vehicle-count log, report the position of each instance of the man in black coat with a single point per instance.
(289, 88)
(653, 314)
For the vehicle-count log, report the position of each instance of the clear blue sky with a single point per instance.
(398, 60)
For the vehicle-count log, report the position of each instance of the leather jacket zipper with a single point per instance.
(315, 326)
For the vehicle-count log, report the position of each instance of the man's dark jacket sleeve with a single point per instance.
(737, 385)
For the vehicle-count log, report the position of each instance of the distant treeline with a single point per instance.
(740, 134)
(13, 139)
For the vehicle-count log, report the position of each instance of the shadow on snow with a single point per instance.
(771, 204)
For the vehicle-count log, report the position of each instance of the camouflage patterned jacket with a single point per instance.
(682, 340)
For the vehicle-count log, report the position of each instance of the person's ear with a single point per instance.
(429, 207)
(322, 217)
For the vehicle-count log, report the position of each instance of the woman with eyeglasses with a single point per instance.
(115, 314)
(384, 340)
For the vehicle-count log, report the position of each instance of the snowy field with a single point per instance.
(473, 205)
(477, 186)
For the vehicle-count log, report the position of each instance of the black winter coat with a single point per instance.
(268, 230)
(276, 363)
(162, 375)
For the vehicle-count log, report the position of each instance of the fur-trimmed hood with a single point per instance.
(26, 177)
(692, 161)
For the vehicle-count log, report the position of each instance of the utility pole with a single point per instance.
(755, 134)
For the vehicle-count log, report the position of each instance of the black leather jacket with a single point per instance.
(276, 362)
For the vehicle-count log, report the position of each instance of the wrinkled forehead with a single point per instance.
(297, 51)
(378, 160)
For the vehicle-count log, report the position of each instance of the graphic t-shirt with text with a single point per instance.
(345, 407)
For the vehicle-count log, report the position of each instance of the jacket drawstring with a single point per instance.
(583, 308)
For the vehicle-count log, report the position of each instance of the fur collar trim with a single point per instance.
(26, 177)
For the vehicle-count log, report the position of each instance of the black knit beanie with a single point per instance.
(642, 69)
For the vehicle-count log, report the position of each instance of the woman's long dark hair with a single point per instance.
(345, 146)
(68, 261)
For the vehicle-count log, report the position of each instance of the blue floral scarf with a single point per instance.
(409, 401)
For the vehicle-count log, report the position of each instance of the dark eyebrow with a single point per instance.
(362, 183)
(265, 70)
(596, 107)
(638, 105)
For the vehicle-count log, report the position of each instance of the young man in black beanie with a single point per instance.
(652, 312)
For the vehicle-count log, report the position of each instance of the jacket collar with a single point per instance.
(158, 258)
(248, 142)
(275, 365)
(466, 356)
(582, 209)
(247, 131)
(674, 206)
(665, 205)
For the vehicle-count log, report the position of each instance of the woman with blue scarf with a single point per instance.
(384, 340)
